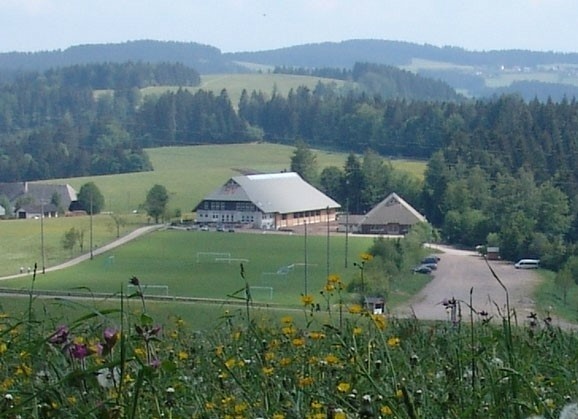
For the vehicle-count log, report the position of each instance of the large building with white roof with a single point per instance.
(266, 201)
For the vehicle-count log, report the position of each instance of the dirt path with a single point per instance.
(118, 242)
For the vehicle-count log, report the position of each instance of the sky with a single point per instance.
(256, 25)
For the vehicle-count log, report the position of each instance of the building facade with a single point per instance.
(266, 201)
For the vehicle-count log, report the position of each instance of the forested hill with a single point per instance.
(203, 58)
(475, 73)
(345, 54)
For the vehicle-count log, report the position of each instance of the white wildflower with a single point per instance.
(108, 377)
(570, 411)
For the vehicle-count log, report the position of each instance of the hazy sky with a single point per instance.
(252, 25)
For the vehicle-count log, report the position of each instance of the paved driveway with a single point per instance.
(461, 271)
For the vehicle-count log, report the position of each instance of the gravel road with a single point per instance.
(461, 271)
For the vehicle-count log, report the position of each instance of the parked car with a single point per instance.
(527, 264)
(430, 259)
(432, 266)
(422, 269)
(204, 228)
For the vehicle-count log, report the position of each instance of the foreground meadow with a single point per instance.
(344, 363)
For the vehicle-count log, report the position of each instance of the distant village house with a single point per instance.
(392, 216)
(34, 200)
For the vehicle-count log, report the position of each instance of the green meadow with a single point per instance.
(168, 258)
(268, 83)
(188, 173)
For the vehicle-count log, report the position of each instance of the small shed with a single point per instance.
(493, 253)
(374, 305)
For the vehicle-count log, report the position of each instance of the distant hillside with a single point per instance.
(472, 73)
(203, 58)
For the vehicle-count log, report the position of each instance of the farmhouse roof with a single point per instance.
(39, 192)
(393, 209)
(281, 193)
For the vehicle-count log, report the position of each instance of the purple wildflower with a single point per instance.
(79, 350)
(60, 336)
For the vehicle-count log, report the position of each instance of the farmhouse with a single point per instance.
(266, 201)
(30, 200)
(392, 216)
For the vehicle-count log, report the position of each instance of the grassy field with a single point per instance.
(184, 264)
(188, 173)
(178, 259)
(260, 82)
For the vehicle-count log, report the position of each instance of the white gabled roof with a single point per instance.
(281, 193)
(393, 209)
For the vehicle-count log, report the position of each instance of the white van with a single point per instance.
(527, 264)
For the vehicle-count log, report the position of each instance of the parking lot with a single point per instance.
(459, 272)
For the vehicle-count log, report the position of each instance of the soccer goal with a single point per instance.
(212, 256)
(262, 292)
(150, 289)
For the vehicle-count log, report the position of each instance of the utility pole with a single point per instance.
(327, 215)
(346, 229)
(305, 257)
(91, 254)
(42, 236)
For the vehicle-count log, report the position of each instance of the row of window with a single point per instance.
(227, 218)
(228, 206)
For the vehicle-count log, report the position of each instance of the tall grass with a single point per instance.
(339, 363)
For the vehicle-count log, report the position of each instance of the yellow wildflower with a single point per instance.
(379, 320)
(269, 356)
(343, 387)
(230, 363)
(332, 359)
(340, 414)
(71, 400)
(307, 299)
(355, 309)
(289, 330)
(278, 416)
(316, 405)
(329, 287)
(298, 342)
(316, 335)
(268, 370)
(219, 350)
(285, 361)
(241, 407)
(3, 348)
(140, 352)
(399, 393)
(366, 257)
(334, 279)
(7, 383)
(386, 410)
(286, 319)
(305, 381)
(210, 406)
(357, 331)
(23, 369)
(393, 342)
(182, 355)
(174, 334)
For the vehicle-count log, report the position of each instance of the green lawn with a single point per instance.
(188, 173)
(259, 82)
(179, 260)
(185, 263)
